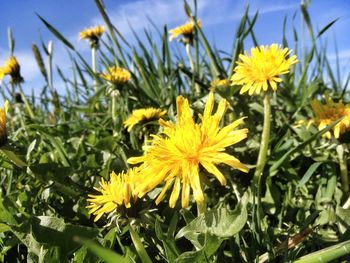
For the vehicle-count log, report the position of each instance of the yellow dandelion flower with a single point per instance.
(328, 113)
(140, 115)
(186, 30)
(3, 129)
(219, 83)
(262, 69)
(11, 68)
(175, 157)
(117, 76)
(93, 34)
(118, 191)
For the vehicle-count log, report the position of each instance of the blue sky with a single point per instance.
(219, 19)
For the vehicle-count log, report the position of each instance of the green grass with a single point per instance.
(54, 158)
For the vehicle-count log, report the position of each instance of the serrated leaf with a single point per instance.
(220, 222)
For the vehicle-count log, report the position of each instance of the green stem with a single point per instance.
(24, 98)
(188, 51)
(260, 164)
(93, 58)
(330, 188)
(343, 169)
(114, 114)
(265, 137)
(140, 249)
(201, 208)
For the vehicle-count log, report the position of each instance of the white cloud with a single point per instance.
(161, 12)
(136, 13)
(342, 55)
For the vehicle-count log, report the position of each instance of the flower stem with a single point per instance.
(265, 137)
(188, 51)
(114, 94)
(260, 164)
(93, 58)
(201, 208)
(26, 103)
(343, 168)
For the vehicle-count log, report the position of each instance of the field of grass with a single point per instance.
(283, 197)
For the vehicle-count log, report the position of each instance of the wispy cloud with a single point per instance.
(342, 55)
(136, 14)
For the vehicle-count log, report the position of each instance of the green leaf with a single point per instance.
(326, 255)
(210, 246)
(46, 172)
(280, 161)
(4, 228)
(56, 33)
(220, 222)
(7, 211)
(168, 240)
(105, 254)
(141, 251)
(309, 173)
(13, 158)
(50, 238)
(324, 29)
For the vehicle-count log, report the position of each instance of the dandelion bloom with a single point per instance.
(262, 69)
(118, 191)
(330, 112)
(186, 30)
(219, 83)
(11, 68)
(175, 156)
(3, 129)
(93, 34)
(140, 115)
(116, 75)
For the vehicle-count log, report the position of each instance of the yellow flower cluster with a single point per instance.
(219, 83)
(116, 75)
(11, 68)
(119, 191)
(140, 115)
(262, 69)
(92, 33)
(330, 112)
(175, 156)
(186, 30)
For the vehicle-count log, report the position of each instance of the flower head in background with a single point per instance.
(327, 113)
(219, 83)
(93, 34)
(116, 75)
(11, 68)
(118, 191)
(261, 69)
(175, 156)
(140, 115)
(187, 31)
(3, 128)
